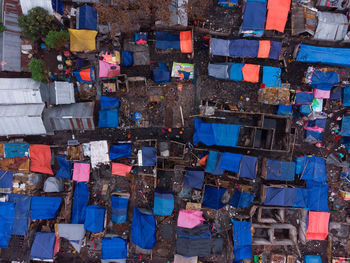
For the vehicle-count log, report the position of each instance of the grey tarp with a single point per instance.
(73, 232)
(331, 26)
(53, 185)
(220, 47)
(219, 71)
(193, 242)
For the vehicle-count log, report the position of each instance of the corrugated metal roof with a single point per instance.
(178, 13)
(331, 26)
(21, 126)
(29, 4)
(10, 51)
(64, 93)
(19, 91)
(11, 11)
(21, 110)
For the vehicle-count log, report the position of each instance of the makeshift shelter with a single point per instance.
(6, 181)
(279, 170)
(317, 196)
(95, 218)
(81, 172)
(53, 185)
(214, 163)
(234, 71)
(7, 216)
(120, 150)
(12, 150)
(241, 199)
(85, 75)
(271, 76)
(44, 207)
(331, 26)
(99, 153)
(82, 40)
(346, 97)
(324, 55)
(22, 208)
(190, 218)
(127, 58)
(231, 162)
(312, 259)
(43, 246)
(245, 48)
(80, 203)
(59, 92)
(109, 113)
(248, 167)
(161, 74)
(87, 18)
(194, 241)
(163, 204)
(113, 248)
(120, 207)
(149, 156)
(254, 16)
(345, 126)
(108, 70)
(121, 169)
(277, 14)
(180, 41)
(280, 196)
(212, 197)
(323, 79)
(138, 55)
(242, 240)
(317, 228)
(143, 229)
(215, 133)
(313, 168)
(182, 70)
(194, 178)
(75, 233)
(303, 97)
(40, 158)
(66, 167)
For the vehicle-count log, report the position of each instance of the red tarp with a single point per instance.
(120, 169)
(318, 225)
(251, 73)
(277, 14)
(264, 48)
(40, 158)
(186, 42)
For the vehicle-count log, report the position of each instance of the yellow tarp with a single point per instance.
(81, 40)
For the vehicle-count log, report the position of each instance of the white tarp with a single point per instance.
(99, 153)
(30, 4)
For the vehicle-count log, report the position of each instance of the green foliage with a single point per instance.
(56, 39)
(36, 24)
(37, 68)
(2, 28)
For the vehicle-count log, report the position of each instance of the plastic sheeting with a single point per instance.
(345, 126)
(114, 248)
(271, 76)
(7, 215)
(190, 218)
(109, 113)
(212, 197)
(85, 75)
(241, 199)
(22, 208)
(324, 55)
(280, 196)
(194, 178)
(108, 70)
(143, 230)
(82, 40)
(66, 167)
(317, 228)
(303, 97)
(277, 14)
(80, 203)
(186, 45)
(5, 181)
(120, 169)
(95, 218)
(166, 40)
(40, 158)
(242, 240)
(81, 172)
(149, 156)
(214, 163)
(254, 16)
(216, 133)
(324, 80)
(43, 246)
(120, 150)
(53, 185)
(75, 233)
(161, 74)
(234, 71)
(119, 208)
(87, 18)
(248, 167)
(317, 196)
(44, 207)
(312, 259)
(280, 170)
(314, 169)
(12, 150)
(346, 98)
(163, 204)
(231, 162)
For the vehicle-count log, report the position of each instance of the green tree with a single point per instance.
(36, 24)
(2, 28)
(38, 70)
(56, 39)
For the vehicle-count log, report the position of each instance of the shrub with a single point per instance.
(37, 68)
(36, 24)
(56, 39)
(2, 28)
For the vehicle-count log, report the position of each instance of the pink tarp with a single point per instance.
(81, 172)
(108, 70)
(322, 94)
(120, 169)
(190, 218)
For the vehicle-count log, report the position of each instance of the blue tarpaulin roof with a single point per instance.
(285, 110)
(215, 133)
(242, 240)
(213, 163)
(22, 208)
(149, 156)
(87, 18)
(143, 230)
(244, 48)
(66, 167)
(324, 55)
(57, 5)
(324, 80)
(280, 170)
(271, 76)
(80, 203)
(119, 208)
(6, 181)
(114, 248)
(163, 202)
(312, 259)
(241, 199)
(95, 218)
(314, 169)
(346, 98)
(317, 199)
(120, 150)
(280, 196)
(248, 167)
(166, 40)
(43, 246)
(194, 178)
(304, 97)
(44, 207)
(7, 215)
(345, 126)
(109, 113)
(254, 17)
(161, 74)
(231, 162)
(212, 197)
(12, 150)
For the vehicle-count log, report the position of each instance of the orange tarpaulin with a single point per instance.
(277, 14)
(120, 169)
(318, 226)
(85, 74)
(264, 48)
(40, 158)
(251, 73)
(186, 42)
(203, 161)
